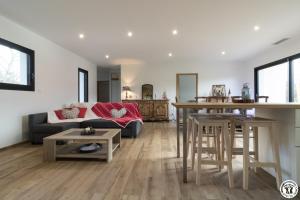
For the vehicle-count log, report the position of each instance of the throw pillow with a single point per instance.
(82, 112)
(59, 114)
(70, 113)
(118, 113)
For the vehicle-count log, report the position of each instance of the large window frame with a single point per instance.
(289, 60)
(30, 86)
(86, 84)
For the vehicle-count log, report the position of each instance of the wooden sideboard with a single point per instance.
(152, 110)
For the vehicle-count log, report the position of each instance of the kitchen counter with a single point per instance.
(288, 127)
(238, 105)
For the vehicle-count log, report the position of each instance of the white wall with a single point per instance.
(56, 82)
(163, 77)
(274, 53)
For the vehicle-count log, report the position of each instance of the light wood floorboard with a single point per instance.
(144, 168)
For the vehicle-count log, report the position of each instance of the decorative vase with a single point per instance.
(246, 92)
(164, 95)
(229, 96)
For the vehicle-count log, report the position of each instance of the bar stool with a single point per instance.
(237, 132)
(190, 129)
(210, 132)
(255, 123)
(220, 125)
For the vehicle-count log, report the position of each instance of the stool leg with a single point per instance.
(228, 152)
(255, 144)
(274, 138)
(199, 154)
(222, 149)
(218, 135)
(194, 140)
(215, 134)
(232, 134)
(189, 130)
(208, 129)
(245, 156)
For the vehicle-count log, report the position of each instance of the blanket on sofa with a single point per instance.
(103, 110)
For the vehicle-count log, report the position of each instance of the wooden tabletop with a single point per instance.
(68, 135)
(238, 105)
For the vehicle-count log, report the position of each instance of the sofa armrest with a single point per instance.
(38, 118)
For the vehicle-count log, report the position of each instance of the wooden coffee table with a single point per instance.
(110, 140)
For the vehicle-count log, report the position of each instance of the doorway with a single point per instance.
(109, 84)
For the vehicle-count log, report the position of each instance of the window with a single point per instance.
(296, 80)
(280, 80)
(16, 67)
(83, 87)
(275, 88)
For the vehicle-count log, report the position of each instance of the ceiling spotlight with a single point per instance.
(129, 34)
(174, 32)
(81, 35)
(107, 56)
(223, 53)
(170, 54)
(256, 28)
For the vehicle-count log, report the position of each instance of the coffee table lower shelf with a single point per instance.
(71, 151)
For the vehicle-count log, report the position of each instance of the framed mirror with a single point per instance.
(147, 91)
(186, 87)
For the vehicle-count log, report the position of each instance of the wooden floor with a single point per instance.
(144, 168)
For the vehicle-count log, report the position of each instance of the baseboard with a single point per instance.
(13, 145)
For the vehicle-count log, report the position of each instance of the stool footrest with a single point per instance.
(213, 162)
(239, 151)
(262, 164)
(207, 149)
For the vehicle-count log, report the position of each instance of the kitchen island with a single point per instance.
(288, 117)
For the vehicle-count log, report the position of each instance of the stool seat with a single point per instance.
(250, 119)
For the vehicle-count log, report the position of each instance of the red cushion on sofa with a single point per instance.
(59, 114)
(82, 112)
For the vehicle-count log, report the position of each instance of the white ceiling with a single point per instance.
(206, 27)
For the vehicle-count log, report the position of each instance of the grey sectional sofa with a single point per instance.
(39, 128)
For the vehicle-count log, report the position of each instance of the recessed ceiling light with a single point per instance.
(107, 56)
(81, 35)
(174, 32)
(129, 34)
(223, 52)
(256, 28)
(170, 54)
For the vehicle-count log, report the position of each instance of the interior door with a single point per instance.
(103, 91)
(115, 89)
(186, 87)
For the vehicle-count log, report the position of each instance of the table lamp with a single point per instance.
(126, 88)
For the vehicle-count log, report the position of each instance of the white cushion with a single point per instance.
(118, 113)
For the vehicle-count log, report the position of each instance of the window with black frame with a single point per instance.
(279, 80)
(83, 80)
(16, 67)
(296, 79)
